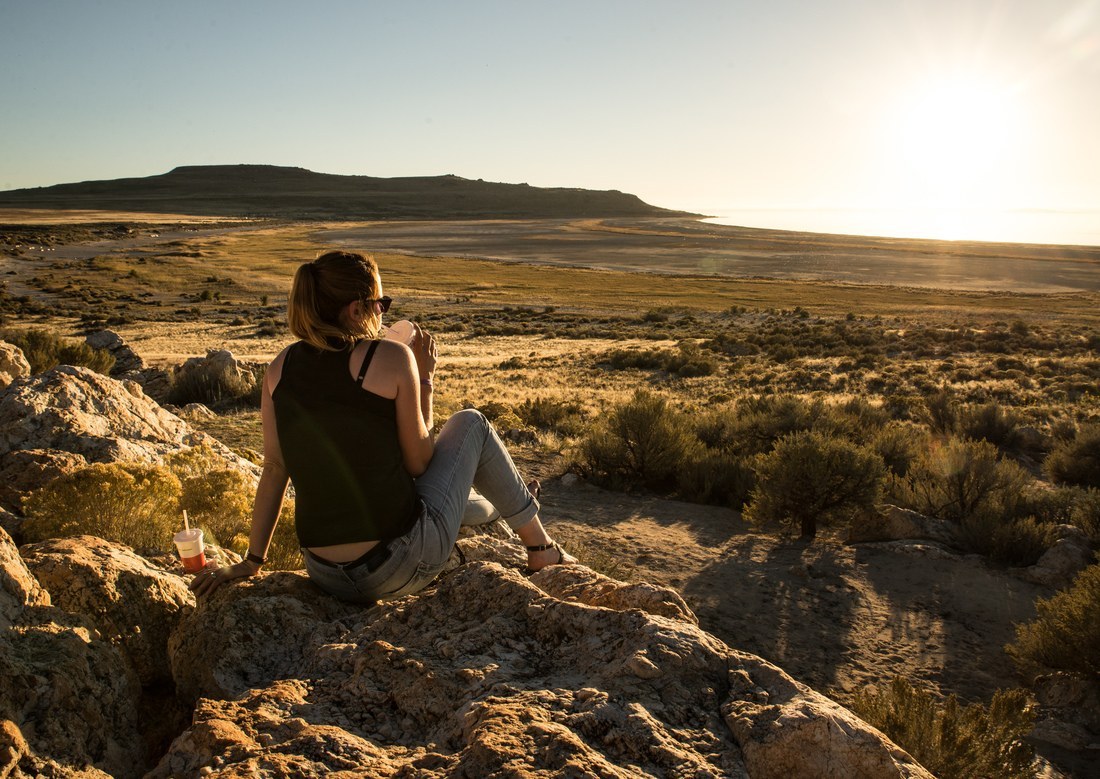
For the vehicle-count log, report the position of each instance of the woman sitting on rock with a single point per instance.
(346, 418)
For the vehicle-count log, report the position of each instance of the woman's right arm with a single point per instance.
(270, 493)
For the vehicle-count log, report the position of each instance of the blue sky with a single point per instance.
(703, 105)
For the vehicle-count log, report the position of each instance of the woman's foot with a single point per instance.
(535, 488)
(545, 555)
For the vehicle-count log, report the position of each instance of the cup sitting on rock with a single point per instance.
(402, 330)
(191, 549)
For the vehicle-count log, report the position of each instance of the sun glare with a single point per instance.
(953, 142)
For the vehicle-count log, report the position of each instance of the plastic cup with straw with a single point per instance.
(190, 547)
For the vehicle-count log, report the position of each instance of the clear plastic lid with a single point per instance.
(402, 330)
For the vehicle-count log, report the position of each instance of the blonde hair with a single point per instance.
(322, 289)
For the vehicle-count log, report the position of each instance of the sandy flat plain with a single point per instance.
(689, 246)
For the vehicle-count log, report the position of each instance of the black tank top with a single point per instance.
(340, 447)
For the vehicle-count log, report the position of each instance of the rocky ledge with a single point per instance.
(108, 666)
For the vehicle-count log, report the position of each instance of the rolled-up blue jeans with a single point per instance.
(468, 453)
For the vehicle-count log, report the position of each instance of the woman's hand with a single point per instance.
(211, 578)
(424, 350)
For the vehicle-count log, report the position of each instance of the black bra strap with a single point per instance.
(366, 362)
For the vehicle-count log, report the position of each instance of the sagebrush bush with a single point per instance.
(1012, 541)
(951, 740)
(809, 478)
(1077, 461)
(129, 503)
(755, 424)
(715, 477)
(957, 479)
(561, 416)
(899, 445)
(990, 422)
(141, 505)
(44, 350)
(941, 411)
(1065, 634)
(214, 385)
(640, 443)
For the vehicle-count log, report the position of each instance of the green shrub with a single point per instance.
(990, 422)
(141, 505)
(941, 412)
(1077, 461)
(129, 503)
(561, 416)
(1065, 634)
(1007, 540)
(961, 479)
(951, 740)
(214, 385)
(640, 443)
(809, 477)
(44, 350)
(755, 424)
(715, 477)
(899, 445)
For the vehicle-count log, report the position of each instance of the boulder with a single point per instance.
(70, 699)
(488, 673)
(13, 364)
(77, 410)
(24, 470)
(132, 603)
(18, 587)
(787, 730)
(1070, 554)
(126, 359)
(892, 523)
(221, 362)
(251, 633)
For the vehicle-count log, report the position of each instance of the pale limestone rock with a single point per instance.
(126, 359)
(24, 470)
(486, 674)
(132, 603)
(892, 523)
(582, 584)
(1059, 565)
(80, 411)
(18, 586)
(69, 699)
(787, 730)
(196, 411)
(13, 364)
(251, 633)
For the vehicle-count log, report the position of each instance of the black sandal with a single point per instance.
(564, 558)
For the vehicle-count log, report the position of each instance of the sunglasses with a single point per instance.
(382, 303)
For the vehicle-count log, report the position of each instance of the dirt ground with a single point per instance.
(837, 617)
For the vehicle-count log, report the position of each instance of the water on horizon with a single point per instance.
(1071, 228)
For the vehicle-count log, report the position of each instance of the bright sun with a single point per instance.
(953, 144)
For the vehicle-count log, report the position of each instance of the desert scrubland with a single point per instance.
(676, 386)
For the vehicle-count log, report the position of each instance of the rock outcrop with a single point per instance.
(1070, 554)
(132, 603)
(892, 523)
(485, 673)
(70, 699)
(488, 673)
(13, 364)
(155, 382)
(82, 414)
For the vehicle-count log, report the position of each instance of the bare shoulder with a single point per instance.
(275, 369)
(393, 352)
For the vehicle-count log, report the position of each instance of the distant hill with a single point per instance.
(273, 191)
